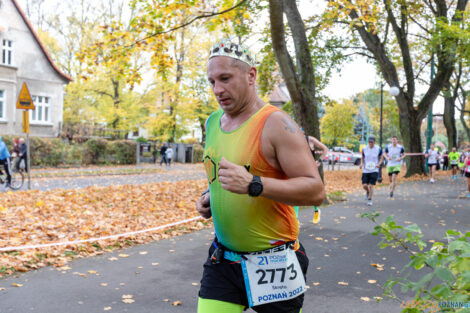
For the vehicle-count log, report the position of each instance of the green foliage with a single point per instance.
(96, 152)
(447, 277)
(55, 152)
(198, 153)
(122, 151)
(338, 123)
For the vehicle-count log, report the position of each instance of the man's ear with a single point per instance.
(252, 73)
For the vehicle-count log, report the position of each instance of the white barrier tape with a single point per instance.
(100, 238)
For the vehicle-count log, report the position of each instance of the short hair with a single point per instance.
(394, 137)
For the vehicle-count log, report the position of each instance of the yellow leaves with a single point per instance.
(343, 283)
(379, 267)
(176, 303)
(366, 299)
(38, 217)
(128, 299)
(372, 281)
(17, 285)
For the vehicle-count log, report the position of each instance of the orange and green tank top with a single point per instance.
(243, 223)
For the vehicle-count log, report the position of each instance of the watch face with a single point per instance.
(255, 189)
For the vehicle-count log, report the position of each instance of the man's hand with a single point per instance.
(234, 178)
(203, 206)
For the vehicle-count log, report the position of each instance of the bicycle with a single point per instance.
(17, 179)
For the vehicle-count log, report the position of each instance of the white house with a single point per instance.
(23, 58)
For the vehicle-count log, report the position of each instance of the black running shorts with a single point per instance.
(224, 282)
(370, 178)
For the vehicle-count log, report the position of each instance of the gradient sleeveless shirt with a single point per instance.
(243, 223)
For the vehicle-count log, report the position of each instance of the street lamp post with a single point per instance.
(429, 131)
(394, 91)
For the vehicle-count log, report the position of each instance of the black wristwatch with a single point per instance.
(255, 188)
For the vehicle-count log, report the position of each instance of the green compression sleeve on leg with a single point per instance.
(296, 208)
(216, 306)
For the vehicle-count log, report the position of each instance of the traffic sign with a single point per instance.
(26, 121)
(25, 101)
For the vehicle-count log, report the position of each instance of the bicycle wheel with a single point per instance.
(17, 180)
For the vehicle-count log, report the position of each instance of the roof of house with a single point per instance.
(278, 96)
(36, 37)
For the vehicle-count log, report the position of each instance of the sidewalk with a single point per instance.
(340, 249)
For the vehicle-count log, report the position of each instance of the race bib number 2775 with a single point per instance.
(272, 277)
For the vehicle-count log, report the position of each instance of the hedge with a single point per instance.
(56, 152)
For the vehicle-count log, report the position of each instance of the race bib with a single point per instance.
(453, 162)
(370, 166)
(432, 160)
(272, 277)
(394, 157)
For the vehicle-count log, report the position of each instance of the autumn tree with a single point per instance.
(400, 37)
(337, 125)
(299, 75)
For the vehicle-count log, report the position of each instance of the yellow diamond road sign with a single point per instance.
(25, 101)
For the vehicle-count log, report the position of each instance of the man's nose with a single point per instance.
(218, 89)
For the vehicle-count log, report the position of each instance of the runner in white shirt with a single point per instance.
(371, 160)
(433, 157)
(394, 153)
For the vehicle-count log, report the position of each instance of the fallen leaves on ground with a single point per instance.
(348, 181)
(38, 217)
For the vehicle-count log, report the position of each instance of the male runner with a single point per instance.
(253, 182)
(394, 153)
(433, 157)
(454, 157)
(371, 160)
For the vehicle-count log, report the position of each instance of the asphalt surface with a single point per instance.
(67, 178)
(340, 248)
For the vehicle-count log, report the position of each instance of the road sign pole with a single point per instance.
(28, 161)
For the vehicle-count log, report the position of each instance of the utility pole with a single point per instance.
(429, 131)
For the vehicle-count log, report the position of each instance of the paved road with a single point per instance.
(343, 254)
(173, 173)
(67, 178)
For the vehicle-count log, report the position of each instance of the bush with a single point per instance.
(122, 151)
(198, 153)
(96, 151)
(47, 151)
(447, 263)
(56, 152)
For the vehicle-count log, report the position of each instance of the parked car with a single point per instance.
(343, 155)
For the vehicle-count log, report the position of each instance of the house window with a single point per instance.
(2, 105)
(42, 111)
(7, 52)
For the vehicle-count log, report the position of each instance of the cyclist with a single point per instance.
(5, 160)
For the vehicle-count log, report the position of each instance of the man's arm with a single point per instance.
(320, 145)
(386, 154)
(284, 146)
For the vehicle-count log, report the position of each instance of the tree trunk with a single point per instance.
(301, 81)
(449, 120)
(410, 129)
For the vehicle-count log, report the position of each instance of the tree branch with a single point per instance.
(202, 16)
